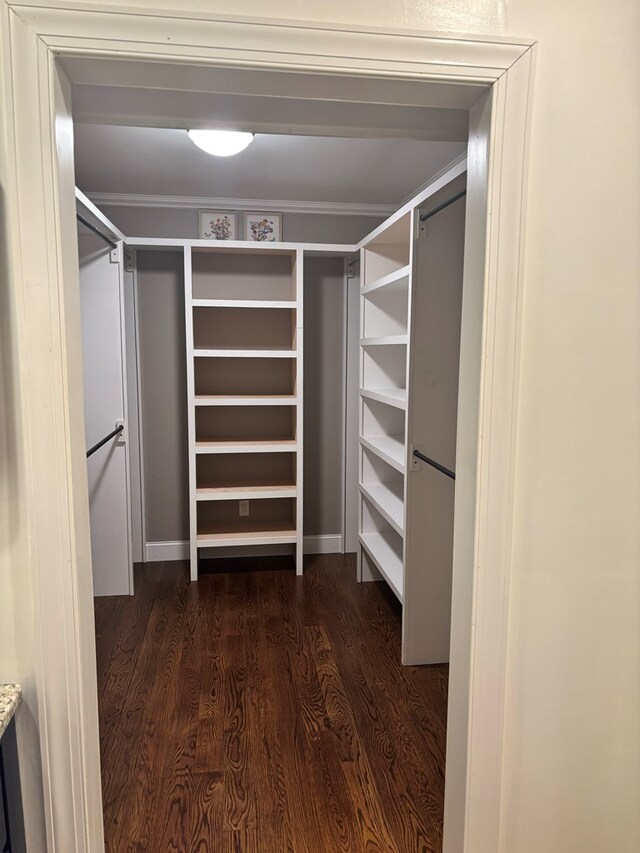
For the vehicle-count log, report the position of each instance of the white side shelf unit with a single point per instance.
(243, 312)
(385, 297)
(410, 309)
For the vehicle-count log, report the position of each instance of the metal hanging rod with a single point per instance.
(425, 216)
(104, 440)
(434, 464)
(96, 231)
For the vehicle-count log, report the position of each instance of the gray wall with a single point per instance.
(164, 395)
(324, 370)
(183, 223)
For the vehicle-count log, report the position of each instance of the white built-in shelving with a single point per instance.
(244, 356)
(410, 308)
(386, 270)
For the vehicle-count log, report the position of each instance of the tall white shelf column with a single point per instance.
(386, 269)
(244, 339)
(410, 308)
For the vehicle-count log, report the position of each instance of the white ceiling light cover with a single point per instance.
(221, 143)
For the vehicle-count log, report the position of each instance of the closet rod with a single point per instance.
(434, 464)
(98, 445)
(96, 231)
(425, 216)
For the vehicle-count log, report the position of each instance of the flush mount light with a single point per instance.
(221, 143)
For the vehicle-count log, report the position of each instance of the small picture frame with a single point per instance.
(218, 225)
(263, 227)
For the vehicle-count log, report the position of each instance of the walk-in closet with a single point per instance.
(271, 424)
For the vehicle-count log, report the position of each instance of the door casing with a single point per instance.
(42, 254)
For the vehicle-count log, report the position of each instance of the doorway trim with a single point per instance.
(42, 248)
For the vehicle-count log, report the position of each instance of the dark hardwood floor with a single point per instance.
(257, 711)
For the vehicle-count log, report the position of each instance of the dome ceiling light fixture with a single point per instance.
(221, 143)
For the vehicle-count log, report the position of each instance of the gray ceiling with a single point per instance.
(164, 162)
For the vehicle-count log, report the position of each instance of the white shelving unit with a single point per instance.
(410, 301)
(386, 268)
(243, 311)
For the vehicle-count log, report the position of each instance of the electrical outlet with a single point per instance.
(244, 507)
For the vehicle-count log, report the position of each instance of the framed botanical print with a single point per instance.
(217, 225)
(263, 227)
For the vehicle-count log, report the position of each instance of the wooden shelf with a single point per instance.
(239, 400)
(270, 446)
(396, 397)
(386, 560)
(245, 493)
(245, 535)
(398, 280)
(242, 303)
(388, 504)
(389, 448)
(244, 353)
(385, 340)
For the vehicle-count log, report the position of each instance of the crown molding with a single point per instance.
(327, 208)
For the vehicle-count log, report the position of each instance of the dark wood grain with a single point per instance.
(257, 712)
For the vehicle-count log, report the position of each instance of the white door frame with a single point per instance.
(42, 248)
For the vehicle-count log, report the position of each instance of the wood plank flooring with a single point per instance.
(257, 711)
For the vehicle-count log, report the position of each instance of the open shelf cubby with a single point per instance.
(239, 423)
(233, 471)
(382, 547)
(383, 432)
(244, 376)
(388, 253)
(385, 313)
(271, 519)
(384, 367)
(262, 275)
(383, 485)
(244, 328)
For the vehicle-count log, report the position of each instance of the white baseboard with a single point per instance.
(330, 543)
(155, 552)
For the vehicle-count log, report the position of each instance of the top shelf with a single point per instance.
(397, 280)
(230, 277)
(393, 231)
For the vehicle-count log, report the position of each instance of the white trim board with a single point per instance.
(327, 543)
(98, 215)
(175, 202)
(244, 245)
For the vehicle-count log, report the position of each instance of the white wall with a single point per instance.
(572, 753)
(18, 660)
